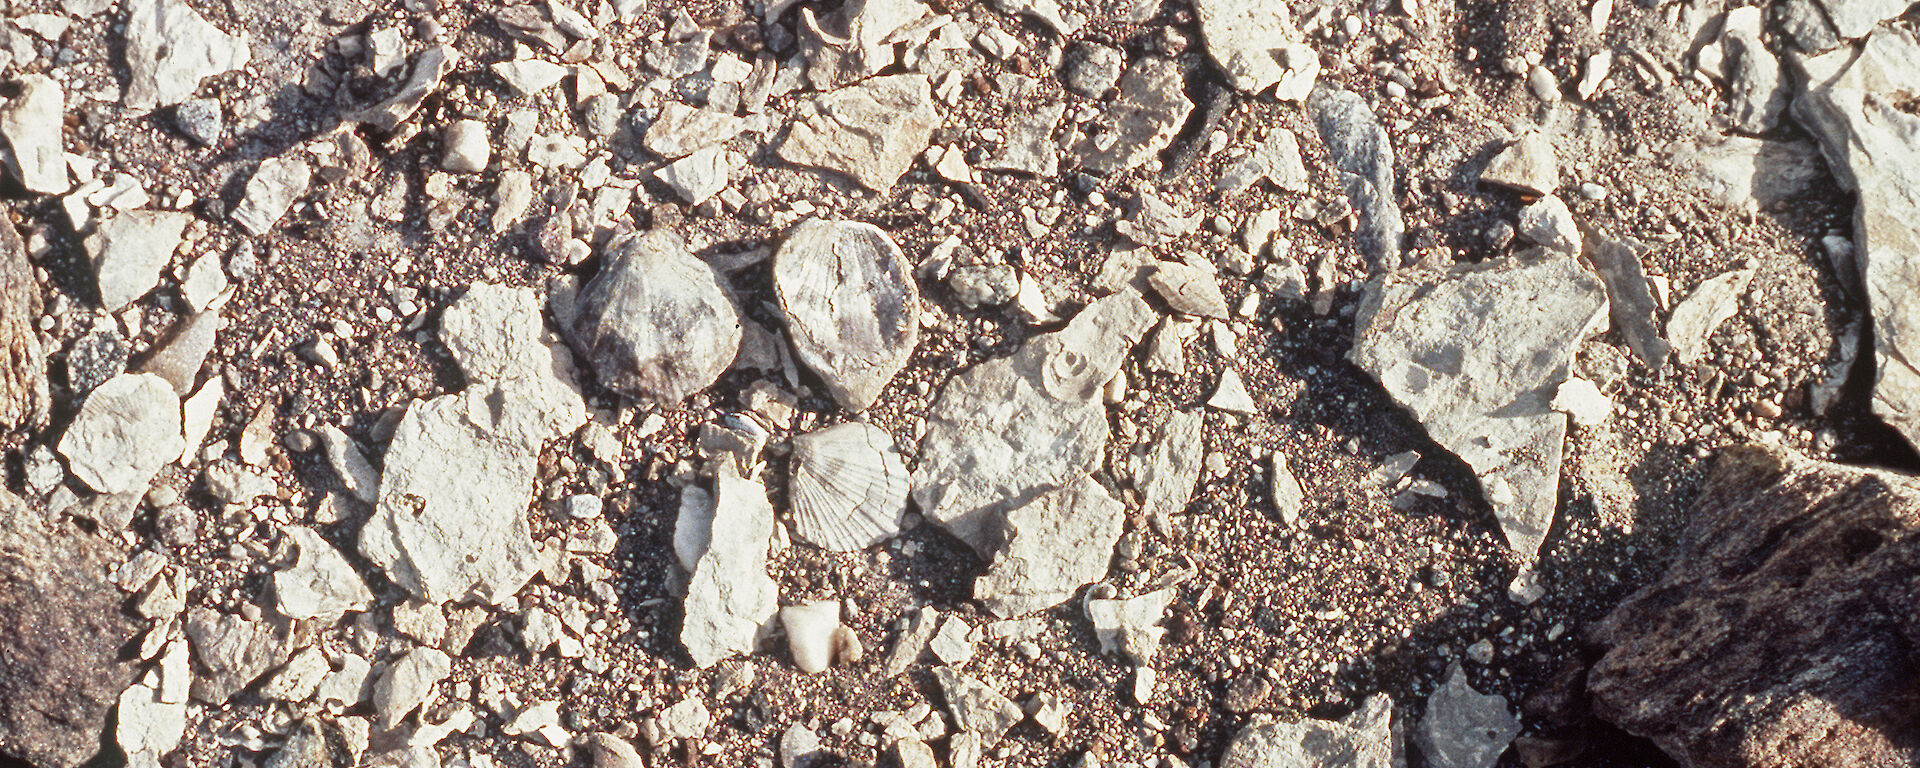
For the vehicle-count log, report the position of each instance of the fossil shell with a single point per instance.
(849, 487)
(850, 305)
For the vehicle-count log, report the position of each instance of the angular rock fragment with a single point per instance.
(1629, 295)
(1362, 156)
(730, 598)
(810, 628)
(1548, 223)
(61, 634)
(1747, 174)
(170, 48)
(1188, 290)
(1464, 728)
(1010, 429)
(909, 640)
(1473, 354)
(1695, 318)
(451, 520)
(408, 684)
(233, 651)
(424, 73)
(129, 250)
(976, 707)
(127, 429)
(1528, 165)
(1777, 634)
(1091, 69)
(1150, 109)
(1169, 469)
(655, 322)
(851, 306)
(1131, 626)
(682, 130)
(146, 727)
(1030, 120)
(30, 126)
(1276, 159)
(1258, 47)
(849, 487)
(1056, 544)
(862, 43)
(1364, 739)
(1288, 496)
(497, 335)
(698, 176)
(23, 363)
(870, 132)
(320, 584)
(1858, 105)
(349, 464)
(1756, 92)
(1231, 395)
(275, 185)
(179, 358)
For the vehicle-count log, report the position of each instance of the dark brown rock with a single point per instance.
(1783, 634)
(23, 367)
(61, 634)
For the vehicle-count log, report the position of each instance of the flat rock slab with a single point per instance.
(1010, 429)
(1782, 632)
(1464, 728)
(1474, 354)
(451, 521)
(870, 132)
(851, 306)
(1853, 104)
(30, 125)
(1056, 544)
(129, 250)
(61, 633)
(655, 323)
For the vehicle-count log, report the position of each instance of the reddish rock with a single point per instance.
(1784, 632)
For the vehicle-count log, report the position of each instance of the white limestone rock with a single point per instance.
(170, 49)
(1056, 544)
(129, 250)
(730, 597)
(320, 584)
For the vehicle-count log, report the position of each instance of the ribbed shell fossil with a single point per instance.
(850, 304)
(849, 487)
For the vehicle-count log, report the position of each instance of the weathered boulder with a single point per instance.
(61, 631)
(1783, 632)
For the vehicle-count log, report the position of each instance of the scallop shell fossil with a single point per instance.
(849, 487)
(849, 300)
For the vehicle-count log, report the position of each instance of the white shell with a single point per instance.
(849, 487)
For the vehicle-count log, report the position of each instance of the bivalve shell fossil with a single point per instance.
(851, 306)
(849, 487)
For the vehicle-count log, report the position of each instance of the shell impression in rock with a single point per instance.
(849, 487)
(851, 306)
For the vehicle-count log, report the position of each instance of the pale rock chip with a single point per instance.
(1165, 474)
(320, 584)
(698, 176)
(810, 630)
(1695, 318)
(409, 683)
(730, 597)
(129, 250)
(682, 130)
(1130, 627)
(1528, 165)
(1463, 728)
(1056, 544)
(1583, 401)
(30, 126)
(1189, 290)
(274, 187)
(170, 49)
(1256, 44)
(1548, 223)
(1231, 395)
(1288, 495)
(1142, 121)
(976, 707)
(870, 132)
(1471, 354)
(1364, 739)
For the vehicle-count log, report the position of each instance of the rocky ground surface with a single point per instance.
(1012, 383)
